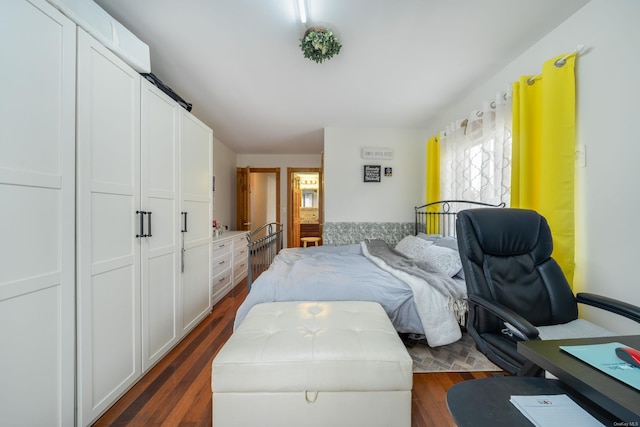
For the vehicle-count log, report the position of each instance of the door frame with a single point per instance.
(290, 207)
(242, 193)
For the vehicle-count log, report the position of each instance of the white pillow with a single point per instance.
(444, 259)
(430, 237)
(413, 247)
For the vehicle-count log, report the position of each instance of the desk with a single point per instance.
(485, 402)
(614, 396)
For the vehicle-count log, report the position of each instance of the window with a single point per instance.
(475, 159)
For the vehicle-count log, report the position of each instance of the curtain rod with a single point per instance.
(559, 62)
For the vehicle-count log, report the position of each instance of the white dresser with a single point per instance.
(228, 263)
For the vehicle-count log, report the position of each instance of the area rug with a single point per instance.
(460, 356)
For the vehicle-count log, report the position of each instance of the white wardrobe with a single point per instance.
(106, 192)
(37, 190)
(143, 226)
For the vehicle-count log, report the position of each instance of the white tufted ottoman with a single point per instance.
(337, 363)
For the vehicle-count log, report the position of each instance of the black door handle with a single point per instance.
(141, 216)
(149, 223)
(184, 229)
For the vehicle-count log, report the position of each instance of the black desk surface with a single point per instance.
(485, 402)
(614, 396)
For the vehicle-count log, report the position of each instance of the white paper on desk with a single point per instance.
(553, 410)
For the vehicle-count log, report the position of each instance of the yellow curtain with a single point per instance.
(433, 169)
(543, 146)
(433, 178)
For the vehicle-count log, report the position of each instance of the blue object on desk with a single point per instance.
(603, 357)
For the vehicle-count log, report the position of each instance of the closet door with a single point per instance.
(160, 250)
(108, 196)
(37, 184)
(196, 160)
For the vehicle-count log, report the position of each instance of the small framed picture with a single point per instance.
(372, 173)
(388, 171)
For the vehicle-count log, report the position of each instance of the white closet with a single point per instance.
(160, 182)
(144, 208)
(108, 197)
(196, 164)
(37, 180)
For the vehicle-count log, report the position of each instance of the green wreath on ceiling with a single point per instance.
(319, 44)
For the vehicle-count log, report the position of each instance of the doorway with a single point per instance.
(258, 197)
(305, 211)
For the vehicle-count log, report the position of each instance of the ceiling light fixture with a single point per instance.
(303, 11)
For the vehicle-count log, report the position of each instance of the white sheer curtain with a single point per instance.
(475, 154)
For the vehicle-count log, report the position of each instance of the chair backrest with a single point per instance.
(506, 257)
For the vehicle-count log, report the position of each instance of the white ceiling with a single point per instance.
(239, 61)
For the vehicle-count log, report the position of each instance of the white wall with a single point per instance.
(607, 197)
(224, 198)
(349, 199)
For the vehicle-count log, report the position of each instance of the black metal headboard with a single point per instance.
(440, 217)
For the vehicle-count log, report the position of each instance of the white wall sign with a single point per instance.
(377, 153)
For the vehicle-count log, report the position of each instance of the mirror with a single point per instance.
(308, 189)
(309, 198)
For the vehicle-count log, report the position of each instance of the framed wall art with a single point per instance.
(372, 173)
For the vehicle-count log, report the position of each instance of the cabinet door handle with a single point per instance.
(149, 223)
(184, 229)
(141, 216)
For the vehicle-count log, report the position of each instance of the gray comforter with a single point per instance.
(350, 272)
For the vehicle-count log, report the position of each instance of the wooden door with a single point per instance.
(244, 199)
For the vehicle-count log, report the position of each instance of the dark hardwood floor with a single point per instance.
(177, 391)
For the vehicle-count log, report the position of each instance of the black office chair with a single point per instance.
(516, 291)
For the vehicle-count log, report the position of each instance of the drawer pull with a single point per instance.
(221, 262)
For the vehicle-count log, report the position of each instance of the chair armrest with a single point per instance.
(615, 306)
(507, 315)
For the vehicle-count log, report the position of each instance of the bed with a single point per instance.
(418, 281)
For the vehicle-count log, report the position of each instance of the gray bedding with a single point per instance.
(345, 273)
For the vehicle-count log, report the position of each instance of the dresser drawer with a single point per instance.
(220, 248)
(240, 266)
(239, 274)
(221, 280)
(240, 252)
(221, 263)
(240, 240)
